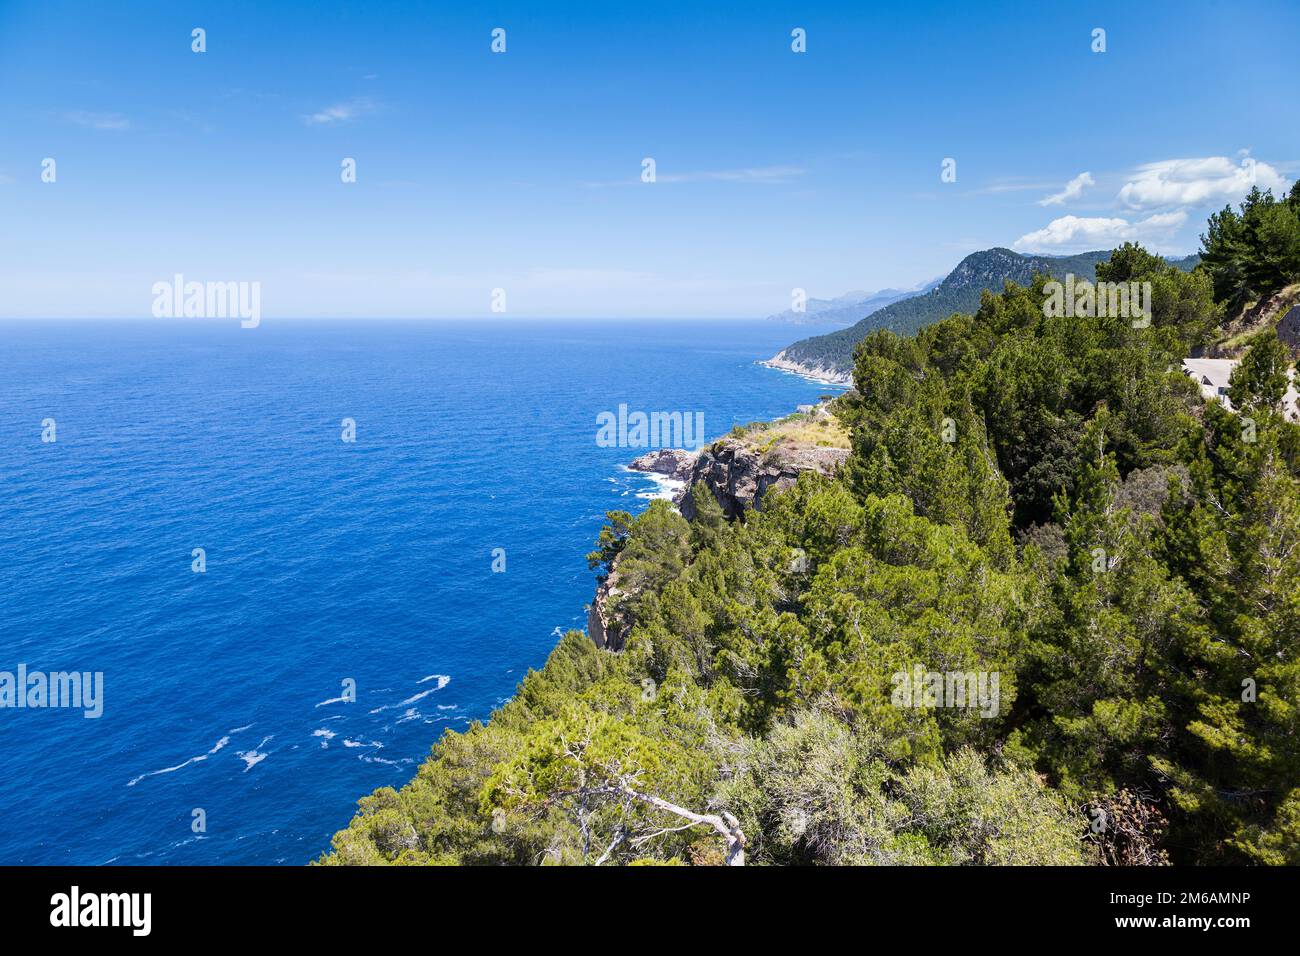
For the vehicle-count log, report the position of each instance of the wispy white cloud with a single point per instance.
(1077, 234)
(190, 119)
(89, 120)
(748, 174)
(341, 112)
(1196, 182)
(760, 174)
(1006, 184)
(1073, 190)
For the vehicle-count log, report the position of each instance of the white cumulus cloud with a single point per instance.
(1073, 190)
(1078, 234)
(1195, 182)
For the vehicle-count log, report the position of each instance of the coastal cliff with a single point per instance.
(741, 467)
(739, 475)
(607, 630)
(739, 470)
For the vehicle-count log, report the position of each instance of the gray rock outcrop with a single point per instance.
(606, 630)
(1288, 330)
(673, 462)
(740, 475)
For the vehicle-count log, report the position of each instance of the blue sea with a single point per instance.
(327, 561)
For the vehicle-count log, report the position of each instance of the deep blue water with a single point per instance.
(326, 560)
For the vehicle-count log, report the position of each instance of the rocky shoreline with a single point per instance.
(674, 463)
(826, 376)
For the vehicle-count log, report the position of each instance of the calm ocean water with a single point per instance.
(326, 560)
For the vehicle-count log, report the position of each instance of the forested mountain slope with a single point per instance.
(960, 291)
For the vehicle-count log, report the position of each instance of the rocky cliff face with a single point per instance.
(1280, 310)
(740, 475)
(1288, 330)
(602, 627)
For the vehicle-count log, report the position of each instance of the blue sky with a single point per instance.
(521, 171)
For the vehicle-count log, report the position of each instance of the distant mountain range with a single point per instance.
(830, 356)
(849, 307)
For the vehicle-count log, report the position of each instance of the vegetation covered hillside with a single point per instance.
(1045, 506)
(960, 291)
